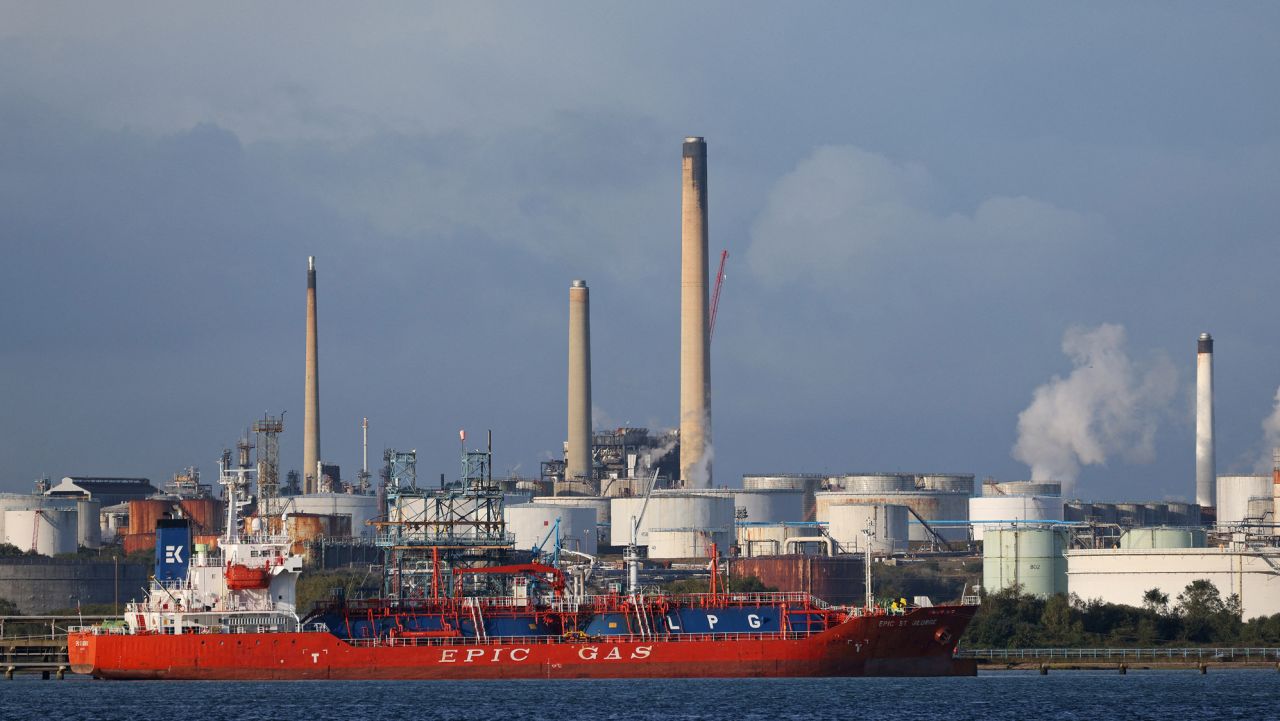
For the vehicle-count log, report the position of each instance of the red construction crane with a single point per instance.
(715, 295)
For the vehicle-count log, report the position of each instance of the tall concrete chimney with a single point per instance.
(311, 400)
(695, 347)
(578, 447)
(1205, 478)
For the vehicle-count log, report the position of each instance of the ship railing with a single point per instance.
(757, 597)
(580, 640)
(100, 630)
(1256, 654)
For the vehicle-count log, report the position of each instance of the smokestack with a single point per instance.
(695, 348)
(578, 447)
(311, 400)
(1205, 478)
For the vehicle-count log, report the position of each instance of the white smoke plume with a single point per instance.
(1109, 405)
(1270, 438)
(700, 472)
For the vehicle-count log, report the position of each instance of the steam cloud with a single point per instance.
(1107, 406)
(700, 472)
(1270, 438)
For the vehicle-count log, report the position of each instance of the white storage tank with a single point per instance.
(1233, 496)
(762, 506)
(670, 509)
(531, 523)
(46, 530)
(770, 539)
(515, 498)
(1031, 557)
(1261, 510)
(361, 509)
(597, 503)
(806, 483)
(681, 543)
(1022, 488)
(89, 524)
(949, 482)
(986, 511)
(874, 482)
(848, 521)
(1163, 537)
(930, 505)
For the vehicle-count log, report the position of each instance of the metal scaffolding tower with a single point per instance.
(268, 429)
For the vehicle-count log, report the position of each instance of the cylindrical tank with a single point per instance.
(1077, 511)
(670, 509)
(361, 509)
(806, 483)
(678, 543)
(47, 531)
(574, 488)
(205, 514)
(303, 527)
(29, 502)
(515, 498)
(949, 482)
(1183, 514)
(1233, 494)
(769, 539)
(929, 505)
(532, 523)
(1156, 514)
(1259, 510)
(985, 511)
(88, 524)
(1022, 488)
(1105, 513)
(1163, 537)
(762, 506)
(875, 482)
(143, 514)
(1026, 556)
(1131, 514)
(598, 504)
(848, 521)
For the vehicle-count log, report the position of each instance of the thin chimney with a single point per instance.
(1205, 478)
(695, 355)
(311, 400)
(578, 448)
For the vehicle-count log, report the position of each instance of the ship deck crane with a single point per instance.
(632, 553)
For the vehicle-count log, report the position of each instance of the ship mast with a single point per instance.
(632, 553)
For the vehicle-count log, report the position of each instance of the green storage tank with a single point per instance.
(1029, 556)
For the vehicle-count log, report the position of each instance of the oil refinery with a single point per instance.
(630, 505)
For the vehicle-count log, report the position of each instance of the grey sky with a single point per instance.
(918, 202)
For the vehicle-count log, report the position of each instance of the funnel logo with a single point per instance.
(173, 554)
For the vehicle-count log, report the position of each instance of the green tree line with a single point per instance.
(1200, 615)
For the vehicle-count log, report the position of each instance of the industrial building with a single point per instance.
(106, 491)
(1124, 575)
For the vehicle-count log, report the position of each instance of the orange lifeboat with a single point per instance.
(241, 577)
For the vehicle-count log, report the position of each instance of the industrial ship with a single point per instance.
(232, 613)
(233, 617)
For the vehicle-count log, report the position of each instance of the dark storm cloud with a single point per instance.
(918, 203)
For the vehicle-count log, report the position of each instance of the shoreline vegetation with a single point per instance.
(1199, 616)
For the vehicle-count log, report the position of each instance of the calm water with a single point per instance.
(1092, 696)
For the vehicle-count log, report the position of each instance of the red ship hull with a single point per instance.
(919, 643)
